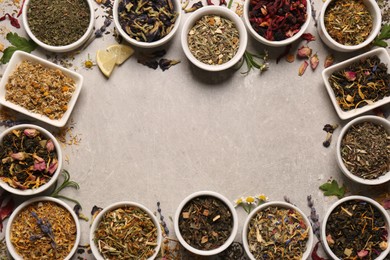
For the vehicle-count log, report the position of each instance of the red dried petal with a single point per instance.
(314, 254)
(308, 37)
(302, 68)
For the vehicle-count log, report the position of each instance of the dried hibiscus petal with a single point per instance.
(308, 37)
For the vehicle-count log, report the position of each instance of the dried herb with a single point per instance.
(162, 221)
(277, 233)
(43, 230)
(361, 83)
(58, 22)
(348, 21)
(205, 223)
(130, 226)
(331, 188)
(194, 7)
(40, 89)
(277, 20)
(98, 33)
(356, 229)
(28, 159)
(234, 252)
(95, 211)
(213, 40)
(18, 43)
(77, 209)
(314, 254)
(365, 150)
(302, 68)
(258, 61)
(147, 20)
(304, 52)
(329, 129)
(308, 37)
(314, 217)
(329, 60)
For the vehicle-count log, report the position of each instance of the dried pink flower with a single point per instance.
(329, 60)
(350, 75)
(20, 156)
(304, 52)
(302, 68)
(308, 37)
(361, 254)
(314, 60)
(50, 146)
(31, 132)
(53, 167)
(39, 166)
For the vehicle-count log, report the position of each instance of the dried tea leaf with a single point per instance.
(332, 188)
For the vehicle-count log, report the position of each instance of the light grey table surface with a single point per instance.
(148, 135)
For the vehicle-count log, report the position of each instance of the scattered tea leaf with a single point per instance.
(331, 188)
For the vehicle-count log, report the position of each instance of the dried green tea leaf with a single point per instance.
(331, 188)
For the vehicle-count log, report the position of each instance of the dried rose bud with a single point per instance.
(53, 167)
(290, 58)
(20, 156)
(50, 146)
(37, 158)
(39, 166)
(314, 60)
(350, 75)
(329, 239)
(302, 68)
(31, 132)
(361, 254)
(304, 52)
(329, 60)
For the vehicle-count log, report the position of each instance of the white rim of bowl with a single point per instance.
(370, 38)
(276, 43)
(226, 13)
(154, 44)
(64, 48)
(354, 197)
(55, 175)
(117, 205)
(376, 120)
(281, 204)
(234, 219)
(11, 248)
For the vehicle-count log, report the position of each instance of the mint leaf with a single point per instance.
(332, 189)
(383, 35)
(19, 43)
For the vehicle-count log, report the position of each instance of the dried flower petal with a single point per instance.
(302, 68)
(362, 253)
(31, 132)
(304, 52)
(314, 60)
(166, 64)
(329, 60)
(19, 156)
(53, 167)
(308, 37)
(39, 166)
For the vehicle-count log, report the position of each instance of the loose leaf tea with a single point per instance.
(348, 21)
(213, 40)
(361, 83)
(365, 150)
(40, 89)
(147, 20)
(43, 230)
(28, 159)
(277, 233)
(205, 223)
(58, 22)
(277, 20)
(126, 233)
(356, 229)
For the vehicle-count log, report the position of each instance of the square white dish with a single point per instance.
(17, 59)
(384, 58)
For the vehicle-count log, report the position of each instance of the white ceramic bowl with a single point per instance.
(16, 59)
(361, 198)
(375, 12)
(95, 223)
(227, 242)
(55, 175)
(326, 73)
(65, 48)
(134, 42)
(279, 204)
(284, 42)
(11, 248)
(223, 12)
(376, 120)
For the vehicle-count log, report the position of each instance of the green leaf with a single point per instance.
(332, 189)
(18, 43)
(383, 35)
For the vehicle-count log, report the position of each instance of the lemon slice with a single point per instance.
(106, 62)
(121, 51)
